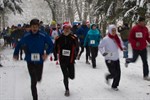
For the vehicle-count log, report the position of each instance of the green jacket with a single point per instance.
(124, 33)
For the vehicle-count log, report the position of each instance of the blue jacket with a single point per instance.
(92, 38)
(35, 44)
(82, 32)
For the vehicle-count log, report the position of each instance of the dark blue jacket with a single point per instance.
(82, 32)
(35, 43)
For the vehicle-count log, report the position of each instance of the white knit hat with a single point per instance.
(110, 27)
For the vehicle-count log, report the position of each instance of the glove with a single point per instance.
(105, 53)
(137, 44)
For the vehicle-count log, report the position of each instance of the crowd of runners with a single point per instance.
(67, 42)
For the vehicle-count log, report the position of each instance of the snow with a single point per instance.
(137, 2)
(142, 3)
(1, 4)
(32, 9)
(130, 10)
(109, 11)
(89, 83)
(125, 1)
(148, 8)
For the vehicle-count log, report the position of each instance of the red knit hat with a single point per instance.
(66, 24)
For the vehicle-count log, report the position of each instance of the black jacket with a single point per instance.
(65, 47)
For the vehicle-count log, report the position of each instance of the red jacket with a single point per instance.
(139, 34)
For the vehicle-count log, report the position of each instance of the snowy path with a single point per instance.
(89, 83)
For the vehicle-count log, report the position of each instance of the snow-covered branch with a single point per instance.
(130, 10)
(142, 3)
(109, 11)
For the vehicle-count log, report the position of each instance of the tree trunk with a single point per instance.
(85, 11)
(104, 28)
(53, 10)
(3, 19)
(78, 10)
(0, 23)
(70, 11)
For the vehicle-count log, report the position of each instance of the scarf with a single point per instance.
(117, 40)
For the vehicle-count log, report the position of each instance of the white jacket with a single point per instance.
(109, 46)
(54, 35)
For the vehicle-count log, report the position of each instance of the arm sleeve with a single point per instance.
(132, 38)
(102, 46)
(78, 32)
(122, 45)
(148, 36)
(86, 40)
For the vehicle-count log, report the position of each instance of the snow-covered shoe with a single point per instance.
(115, 89)
(94, 67)
(126, 62)
(67, 93)
(87, 62)
(107, 80)
(147, 78)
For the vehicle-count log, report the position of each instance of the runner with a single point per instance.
(34, 44)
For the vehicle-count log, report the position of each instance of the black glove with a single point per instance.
(137, 44)
(105, 53)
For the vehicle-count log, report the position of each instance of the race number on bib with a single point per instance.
(35, 57)
(92, 42)
(66, 52)
(139, 35)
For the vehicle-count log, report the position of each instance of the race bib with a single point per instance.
(138, 35)
(110, 54)
(66, 52)
(92, 42)
(35, 57)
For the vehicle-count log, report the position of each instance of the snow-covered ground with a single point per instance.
(89, 83)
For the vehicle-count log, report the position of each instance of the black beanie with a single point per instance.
(34, 22)
(141, 19)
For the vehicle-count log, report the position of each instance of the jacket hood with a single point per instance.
(110, 27)
(91, 31)
(92, 25)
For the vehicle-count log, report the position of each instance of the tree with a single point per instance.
(9, 5)
(101, 12)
